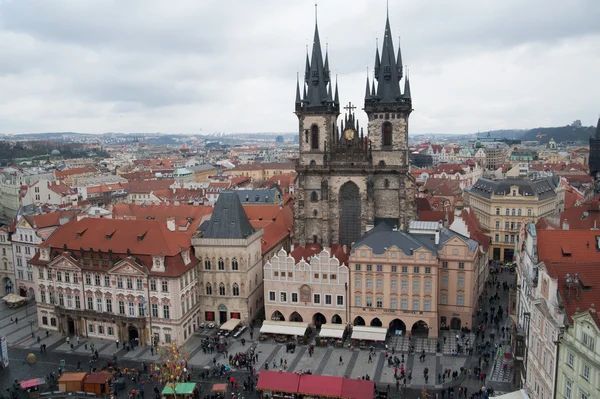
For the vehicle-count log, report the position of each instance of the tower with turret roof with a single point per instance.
(348, 180)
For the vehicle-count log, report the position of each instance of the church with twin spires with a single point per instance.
(350, 179)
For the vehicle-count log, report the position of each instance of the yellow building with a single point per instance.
(418, 281)
(501, 206)
(261, 171)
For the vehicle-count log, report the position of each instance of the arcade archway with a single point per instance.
(359, 321)
(296, 317)
(319, 320)
(336, 319)
(376, 322)
(420, 329)
(455, 323)
(397, 325)
(277, 316)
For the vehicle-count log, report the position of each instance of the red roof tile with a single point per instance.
(553, 244)
(61, 174)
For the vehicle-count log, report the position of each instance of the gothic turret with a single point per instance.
(388, 74)
(317, 82)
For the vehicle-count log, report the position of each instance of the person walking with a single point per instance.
(341, 361)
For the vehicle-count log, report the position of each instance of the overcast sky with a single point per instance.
(230, 66)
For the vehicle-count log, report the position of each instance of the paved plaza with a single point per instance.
(324, 361)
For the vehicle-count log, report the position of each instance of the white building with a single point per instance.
(118, 279)
(7, 271)
(48, 192)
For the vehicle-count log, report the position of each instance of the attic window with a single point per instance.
(566, 250)
(141, 238)
(81, 233)
(109, 236)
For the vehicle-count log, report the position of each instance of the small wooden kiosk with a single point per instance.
(181, 388)
(71, 382)
(97, 383)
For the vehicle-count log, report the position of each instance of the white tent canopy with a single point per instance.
(369, 333)
(283, 327)
(230, 324)
(332, 330)
(521, 394)
(14, 298)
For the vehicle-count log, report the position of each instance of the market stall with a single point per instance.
(230, 324)
(181, 388)
(219, 390)
(332, 331)
(71, 382)
(283, 327)
(32, 386)
(14, 300)
(98, 383)
(275, 384)
(365, 333)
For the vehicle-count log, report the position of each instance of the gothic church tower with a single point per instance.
(348, 181)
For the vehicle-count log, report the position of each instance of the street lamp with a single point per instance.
(31, 322)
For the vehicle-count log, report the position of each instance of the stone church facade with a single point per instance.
(348, 181)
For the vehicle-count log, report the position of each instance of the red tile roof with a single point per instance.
(61, 174)
(439, 186)
(148, 186)
(266, 165)
(475, 229)
(553, 245)
(162, 212)
(277, 223)
(50, 219)
(143, 238)
(341, 252)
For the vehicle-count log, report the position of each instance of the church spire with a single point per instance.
(318, 86)
(367, 90)
(336, 99)
(407, 86)
(387, 71)
(598, 130)
(298, 99)
(399, 61)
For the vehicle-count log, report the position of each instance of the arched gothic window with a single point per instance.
(386, 133)
(236, 290)
(207, 264)
(234, 264)
(314, 197)
(382, 164)
(221, 264)
(315, 213)
(313, 163)
(386, 183)
(314, 137)
(222, 289)
(208, 289)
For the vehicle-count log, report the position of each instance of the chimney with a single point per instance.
(592, 308)
(291, 248)
(565, 225)
(412, 252)
(171, 224)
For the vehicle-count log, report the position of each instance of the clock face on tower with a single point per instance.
(349, 134)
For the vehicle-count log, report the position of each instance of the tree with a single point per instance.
(173, 365)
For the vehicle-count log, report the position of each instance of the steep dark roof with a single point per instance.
(317, 82)
(598, 130)
(543, 188)
(259, 196)
(387, 71)
(228, 220)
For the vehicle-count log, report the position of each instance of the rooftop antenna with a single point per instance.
(316, 7)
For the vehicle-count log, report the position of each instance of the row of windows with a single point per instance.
(27, 250)
(416, 284)
(393, 268)
(221, 264)
(235, 289)
(507, 238)
(99, 280)
(20, 275)
(293, 296)
(514, 212)
(358, 302)
(105, 305)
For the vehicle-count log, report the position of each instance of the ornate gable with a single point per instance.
(127, 267)
(64, 262)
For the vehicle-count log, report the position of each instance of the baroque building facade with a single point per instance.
(348, 180)
(118, 280)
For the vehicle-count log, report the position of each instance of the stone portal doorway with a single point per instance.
(133, 333)
(349, 201)
(70, 326)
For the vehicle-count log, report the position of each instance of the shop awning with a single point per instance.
(275, 381)
(230, 324)
(32, 383)
(182, 388)
(332, 330)
(320, 385)
(283, 327)
(514, 395)
(14, 298)
(369, 333)
(219, 388)
(357, 389)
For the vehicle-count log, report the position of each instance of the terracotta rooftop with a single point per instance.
(341, 252)
(61, 174)
(568, 246)
(148, 186)
(266, 165)
(182, 213)
(50, 219)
